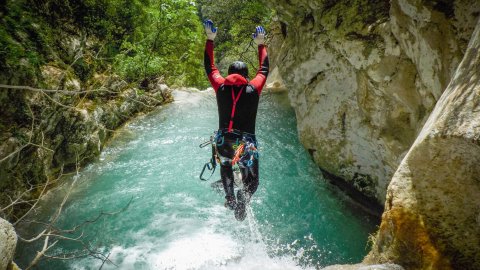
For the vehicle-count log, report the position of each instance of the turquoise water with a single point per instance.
(175, 221)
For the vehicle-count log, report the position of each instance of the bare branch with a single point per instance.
(20, 149)
(65, 257)
(62, 237)
(41, 253)
(39, 197)
(101, 214)
(18, 200)
(43, 147)
(66, 92)
(70, 66)
(29, 139)
(50, 233)
(31, 240)
(106, 258)
(58, 103)
(138, 101)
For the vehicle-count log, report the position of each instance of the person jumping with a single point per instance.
(237, 102)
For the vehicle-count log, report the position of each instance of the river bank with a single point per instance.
(63, 138)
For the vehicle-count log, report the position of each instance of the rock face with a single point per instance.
(55, 134)
(363, 77)
(432, 211)
(8, 242)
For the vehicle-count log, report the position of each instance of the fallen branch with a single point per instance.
(51, 235)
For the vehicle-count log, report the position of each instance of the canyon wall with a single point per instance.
(380, 90)
(363, 76)
(432, 211)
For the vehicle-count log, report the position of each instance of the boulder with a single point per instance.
(8, 242)
(432, 210)
(275, 82)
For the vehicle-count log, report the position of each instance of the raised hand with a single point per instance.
(210, 30)
(259, 35)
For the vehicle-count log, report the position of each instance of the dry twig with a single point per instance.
(51, 235)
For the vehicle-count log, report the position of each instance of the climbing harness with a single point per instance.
(211, 165)
(238, 153)
(245, 148)
(245, 151)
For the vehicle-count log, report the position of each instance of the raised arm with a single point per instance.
(212, 72)
(216, 80)
(259, 81)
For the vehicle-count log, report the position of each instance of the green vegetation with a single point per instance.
(169, 42)
(139, 40)
(136, 39)
(236, 21)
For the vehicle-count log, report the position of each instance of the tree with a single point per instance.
(236, 21)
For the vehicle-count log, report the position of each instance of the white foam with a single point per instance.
(198, 251)
(204, 250)
(206, 247)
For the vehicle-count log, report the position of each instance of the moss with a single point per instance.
(13, 266)
(403, 239)
(25, 43)
(365, 184)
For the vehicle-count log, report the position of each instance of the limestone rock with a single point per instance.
(57, 78)
(363, 77)
(275, 82)
(432, 211)
(8, 242)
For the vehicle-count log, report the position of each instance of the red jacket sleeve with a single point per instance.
(259, 81)
(212, 72)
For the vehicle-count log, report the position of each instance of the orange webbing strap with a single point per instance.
(238, 154)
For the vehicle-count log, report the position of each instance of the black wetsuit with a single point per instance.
(237, 101)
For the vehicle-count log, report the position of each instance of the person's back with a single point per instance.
(237, 101)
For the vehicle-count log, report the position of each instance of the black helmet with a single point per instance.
(238, 67)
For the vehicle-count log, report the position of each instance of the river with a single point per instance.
(175, 221)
